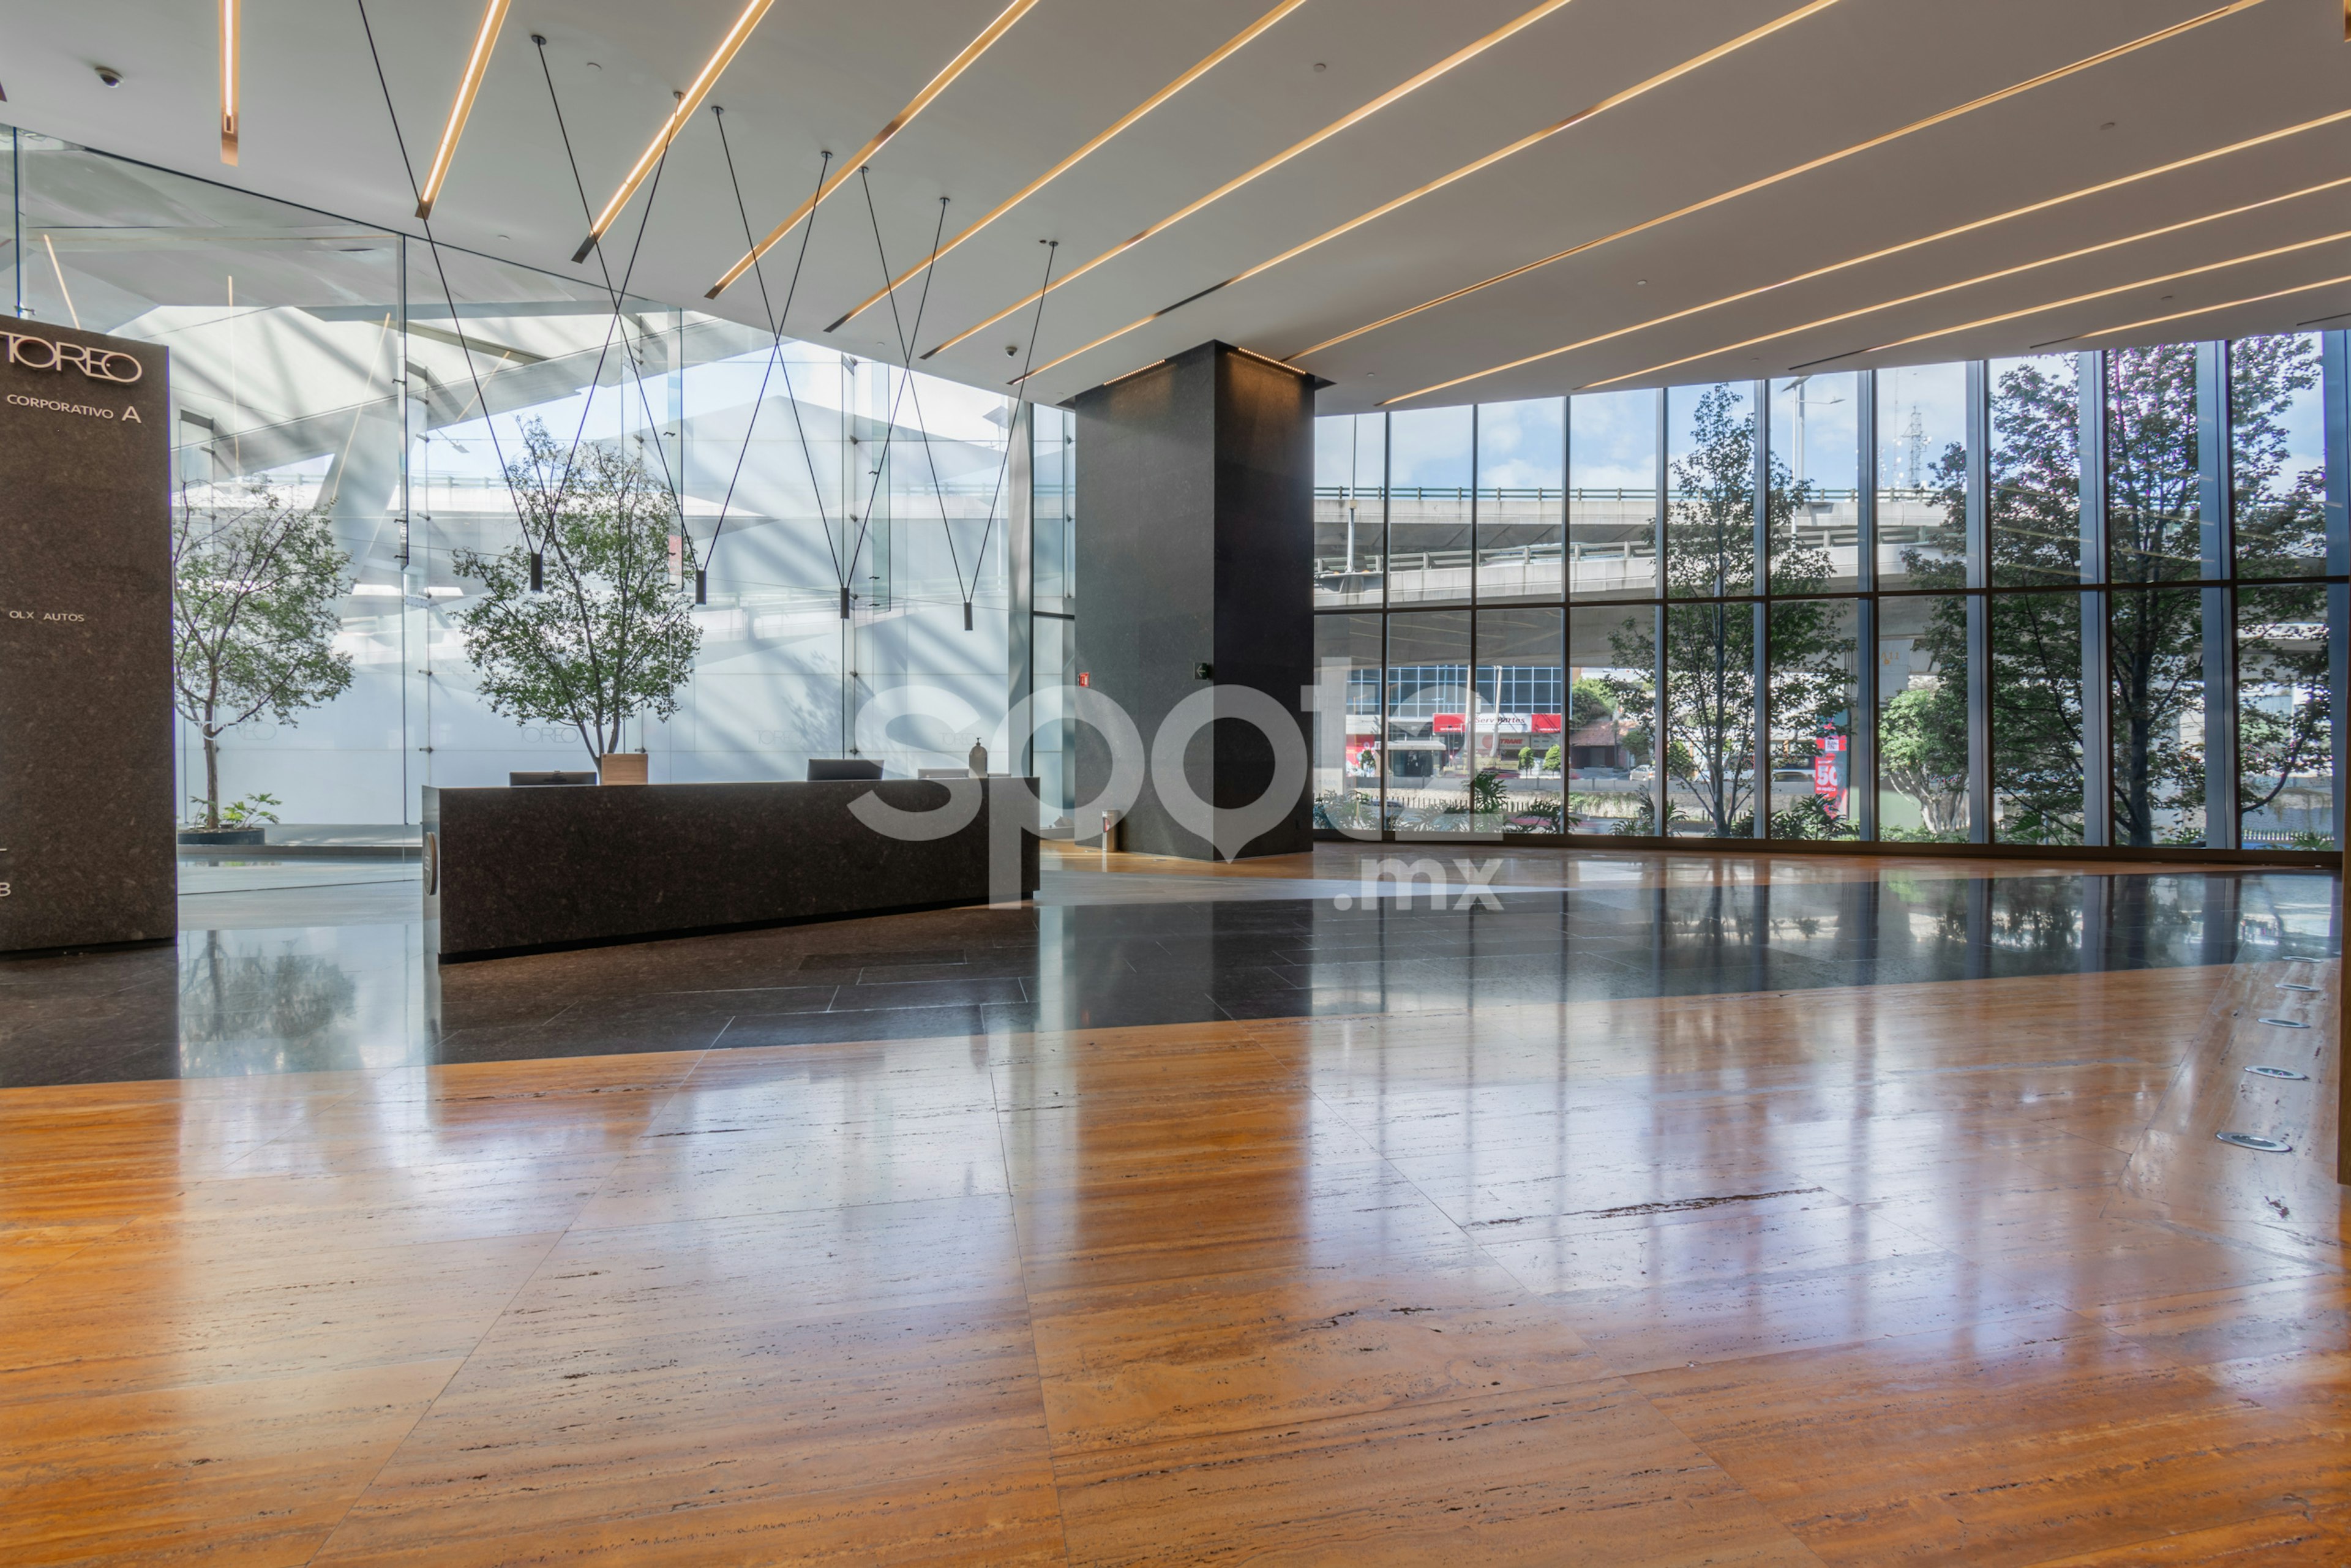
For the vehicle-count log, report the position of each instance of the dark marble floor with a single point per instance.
(319, 966)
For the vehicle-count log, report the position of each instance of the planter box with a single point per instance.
(222, 836)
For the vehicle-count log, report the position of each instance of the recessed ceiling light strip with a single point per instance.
(899, 121)
(2102, 294)
(1490, 158)
(1881, 254)
(2208, 309)
(1806, 168)
(1232, 46)
(494, 16)
(1410, 85)
(680, 112)
(228, 84)
(1981, 277)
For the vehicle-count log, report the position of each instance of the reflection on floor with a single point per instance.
(1682, 1209)
(309, 967)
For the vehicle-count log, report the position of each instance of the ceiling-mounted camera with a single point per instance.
(110, 76)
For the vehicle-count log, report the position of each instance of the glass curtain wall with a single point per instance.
(336, 367)
(2073, 598)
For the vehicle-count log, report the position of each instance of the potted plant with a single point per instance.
(254, 591)
(242, 821)
(586, 620)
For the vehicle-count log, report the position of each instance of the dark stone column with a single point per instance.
(1196, 545)
(86, 849)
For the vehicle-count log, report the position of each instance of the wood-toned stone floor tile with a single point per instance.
(1221, 1219)
(120, 1315)
(2296, 1538)
(1586, 1473)
(2091, 1256)
(760, 1362)
(2310, 1312)
(1336, 1333)
(253, 1472)
(1703, 1322)
(2002, 1443)
(254, 1214)
(718, 1171)
(629, 1072)
(28, 1251)
(989, 1512)
(1745, 1235)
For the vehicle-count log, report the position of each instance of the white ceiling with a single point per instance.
(828, 77)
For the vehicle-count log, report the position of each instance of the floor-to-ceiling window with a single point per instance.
(2060, 600)
(358, 371)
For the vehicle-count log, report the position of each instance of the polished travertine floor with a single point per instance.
(1686, 1210)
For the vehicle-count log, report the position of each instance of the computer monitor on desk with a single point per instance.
(836, 768)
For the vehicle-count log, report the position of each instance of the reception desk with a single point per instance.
(518, 871)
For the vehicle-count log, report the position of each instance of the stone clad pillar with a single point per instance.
(85, 845)
(1196, 547)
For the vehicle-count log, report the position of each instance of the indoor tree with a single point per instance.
(607, 630)
(253, 586)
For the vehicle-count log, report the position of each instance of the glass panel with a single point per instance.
(1053, 510)
(1431, 707)
(2036, 718)
(2285, 736)
(1612, 702)
(2157, 712)
(1922, 719)
(1612, 522)
(1815, 509)
(1521, 710)
(2035, 505)
(1054, 647)
(1429, 506)
(1521, 501)
(1815, 685)
(1710, 483)
(1710, 718)
(2277, 456)
(285, 361)
(1347, 723)
(1922, 475)
(287, 365)
(2153, 489)
(1350, 462)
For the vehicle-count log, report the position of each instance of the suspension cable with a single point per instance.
(775, 359)
(1035, 323)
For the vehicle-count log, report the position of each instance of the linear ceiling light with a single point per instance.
(2102, 294)
(899, 121)
(680, 112)
(494, 16)
(1410, 85)
(1881, 254)
(2208, 309)
(1490, 158)
(1230, 47)
(1963, 283)
(228, 32)
(1823, 161)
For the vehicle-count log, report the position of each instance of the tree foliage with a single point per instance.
(2155, 652)
(1709, 705)
(611, 635)
(254, 588)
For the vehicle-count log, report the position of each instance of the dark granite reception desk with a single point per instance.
(514, 870)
